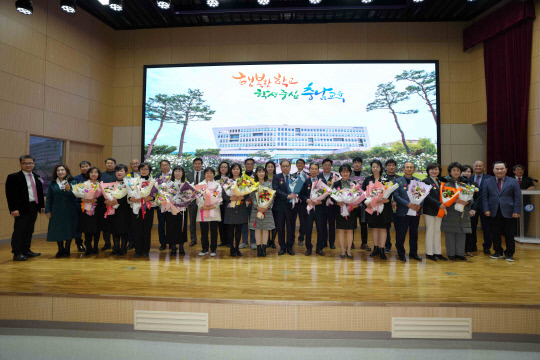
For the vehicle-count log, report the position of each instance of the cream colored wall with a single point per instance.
(56, 80)
(463, 99)
(534, 102)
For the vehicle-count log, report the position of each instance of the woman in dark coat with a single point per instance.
(92, 223)
(224, 174)
(345, 226)
(432, 205)
(470, 245)
(177, 224)
(61, 209)
(235, 217)
(119, 223)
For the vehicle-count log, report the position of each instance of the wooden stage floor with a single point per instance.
(480, 280)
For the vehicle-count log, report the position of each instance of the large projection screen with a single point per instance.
(292, 110)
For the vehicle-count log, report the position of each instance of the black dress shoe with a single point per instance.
(452, 257)
(440, 257)
(137, 255)
(415, 257)
(130, 247)
(320, 252)
(402, 258)
(222, 244)
(333, 247)
(342, 256)
(106, 247)
(88, 252)
(19, 257)
(80, 248)
(193, 243)
(431, 257)
(308, 252)
(238, 253)
(163, 247)
(181, 252)
(173, 252)
(487, 252)
(233, 252)
(290, 252)
(145, 255)
(32, 254)
(365, 247)
(350, 256)
(462, 258)
(95, 251)
(281, 251)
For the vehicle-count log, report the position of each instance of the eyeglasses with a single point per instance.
(27, 163)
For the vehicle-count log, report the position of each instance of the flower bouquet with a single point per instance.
(448, 196)
(374, 194)
(209, 197)
(295, 185)
(319, 191)
(466, 194)
(243, 186)
(87, 190)
(139, 188)
(165, 197)
(185, 195)
(389, 188)
(111, 191)
(349, 197)
(417, 193)
(265, 196)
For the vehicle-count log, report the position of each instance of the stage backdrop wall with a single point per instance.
(534, 100)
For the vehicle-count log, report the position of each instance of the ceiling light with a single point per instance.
(212, 3)
(263, 2)
(24, 6)
(164, 4)
(366, 1)
(116, 5)
(68, 6)
(417, 1)
(104, 2)
(315, 2)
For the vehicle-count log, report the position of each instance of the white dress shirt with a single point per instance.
(31, 197)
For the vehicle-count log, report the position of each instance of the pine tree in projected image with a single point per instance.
(387, 97)
(178, 109)
(425, 87)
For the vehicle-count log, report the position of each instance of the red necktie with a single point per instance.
(499, 184)
(34, 190)
(519, 180)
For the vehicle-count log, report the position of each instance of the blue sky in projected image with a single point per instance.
(236, 104)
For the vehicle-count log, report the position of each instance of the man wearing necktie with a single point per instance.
(285, 214)
(24, 193)
(501, 201)
(479, 178)
(194, 177)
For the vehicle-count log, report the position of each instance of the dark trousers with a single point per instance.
(363, 225)
(223, 229)
(330, 224)
(205, 226)
(234, 235)
(246, 232)
(142, 230)
(285, 222)
(107, 237)
(302, 216)
(161, 227)
(192, 209)
(88, 237)
(176, 229)
(402, 224)
(388, 243)
(319, 220)
(485, 229)
(503, 226)
(23, 229)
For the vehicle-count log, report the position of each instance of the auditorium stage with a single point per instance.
(107, 289)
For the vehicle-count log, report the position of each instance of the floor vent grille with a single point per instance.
(171, 321)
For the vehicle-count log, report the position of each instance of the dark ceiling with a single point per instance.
(144, 14)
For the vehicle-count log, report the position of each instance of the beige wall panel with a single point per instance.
(122, 135)
(13, 143)
(534, 96)
(67, 57)
(455, 30)
(122, 116)
(190, 54)
(136, 135)
(101, 92)
(124, 58)
(72, 30)
(38, 20)
(26, 307)
(153, 38)
(535, 71)
(428, 51)
(100, 113)
(124, 39)
(267, 34)
(536, 42)
(21, 37)
(267, 52)
(534, 148)
(172, 306)
(19, 117)
(387, 51)
(103, 48)
(534, 122)
(92, 310)
(341, 51)
(308, 51)
(477, 69)
(100, 134)
(21, 91)
(307, 33)
(65, 127)
(478, 112)
(460, 92)
(123, 77)
(459, 71)
(228, 53)
(444, 92)
(386, 32)
(102, 72)
(354, 33)
(478, 90)
(88, 152)
(123, 96)
(61, 102)
(460, 113)
(152, 56)
(107, 151)
(66, 80)
(20, 63)
(427, 31)
(137, 116)
(138, 76)
(446, 115)
(137, 95)
(224, 35)
(443, 72)
(190, 36)
(122, 154)
(9, 165)
(503, 320)
(456, 53)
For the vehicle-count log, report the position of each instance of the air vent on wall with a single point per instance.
(432, 328)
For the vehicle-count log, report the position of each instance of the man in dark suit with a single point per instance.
(285, 217)
(501, 202)
(164, 176)
(479, 177)
(402, 221)
(331, 212)
(84, 166)
(108, 176)
(525, 182)
(194, 177)
(24, 193)
(317, 214)
(301, 206)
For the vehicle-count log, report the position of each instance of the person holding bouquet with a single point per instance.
(61, 209)
(266, 224)
(345, 225)
(470, 240)
(143, 220)
(118, 223)
(91, 221)
(270, 167)
(224, 175)
(330, 213)
(302, 213)
(83, 166)
(432, 205)
(285, 213)
(177, 224)
(377, 221)
(208, 219)
(235, 216)
(456, 224)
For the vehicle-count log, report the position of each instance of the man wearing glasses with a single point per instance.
(24, 193)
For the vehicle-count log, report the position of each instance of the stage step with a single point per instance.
(432, 328)
(171, 321)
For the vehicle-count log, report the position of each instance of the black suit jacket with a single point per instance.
(281, 203)
(305, 194)
(17, 192)
(432, 201)
(526, 182)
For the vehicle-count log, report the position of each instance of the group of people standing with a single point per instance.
(497, 204)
